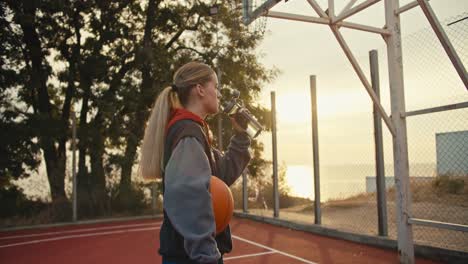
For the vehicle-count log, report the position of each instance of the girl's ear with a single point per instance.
(200, 91)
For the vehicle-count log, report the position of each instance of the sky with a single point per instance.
(299, 50)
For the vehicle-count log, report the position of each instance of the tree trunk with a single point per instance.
(137, 125)
(144, 61)
(86, 208)
(99, 196)
(97, 152)
(55, 161)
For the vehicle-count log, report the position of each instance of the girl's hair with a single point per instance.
(152, 149)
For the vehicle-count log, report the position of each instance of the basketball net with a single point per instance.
(258, 26)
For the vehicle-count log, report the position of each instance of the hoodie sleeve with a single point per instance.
(187, 200)
(233, 162)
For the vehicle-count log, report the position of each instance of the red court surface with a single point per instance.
(137, 242)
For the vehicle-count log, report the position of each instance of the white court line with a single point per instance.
(78, 230)
(250, 255)
(81, 235)
(275, 250)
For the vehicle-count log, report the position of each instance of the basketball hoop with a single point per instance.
(258, 26)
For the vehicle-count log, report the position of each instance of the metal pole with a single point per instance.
(331, 9)
(348, 6)
(154, 196)
(379, 153)
(437, 109)
(326, 21)
(439, 225)
(75, 215)
(400, 143)
(355, 10)
(317, 8)
(407, 7)
(315, 150)
(220, 118)
(275, 155)
(245, 193)
(220, 133)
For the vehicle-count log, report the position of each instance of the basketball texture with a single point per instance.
(223, 203)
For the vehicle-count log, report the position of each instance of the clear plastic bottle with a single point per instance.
(234, 107)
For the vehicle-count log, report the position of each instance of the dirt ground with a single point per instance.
(361, 217)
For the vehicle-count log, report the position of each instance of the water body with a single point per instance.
(342, 181)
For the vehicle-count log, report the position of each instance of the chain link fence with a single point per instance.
(438, 142)
(437, 145)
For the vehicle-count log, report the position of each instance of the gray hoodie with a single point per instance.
(187, 200)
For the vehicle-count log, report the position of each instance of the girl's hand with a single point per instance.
(238, 123)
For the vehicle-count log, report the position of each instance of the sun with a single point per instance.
(300, 179)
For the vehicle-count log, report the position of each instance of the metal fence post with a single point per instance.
(379, 153)
(245, 193)
(75, 215)
(275, 155)
(220, 117)
(315, 150)
(154, 197)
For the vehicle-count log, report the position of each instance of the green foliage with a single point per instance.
(19, 152)
(18, 148)
(260, 189)
(15, 203)
(131, 200)
(108, 60)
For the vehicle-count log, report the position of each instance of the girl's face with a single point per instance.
(210, 99)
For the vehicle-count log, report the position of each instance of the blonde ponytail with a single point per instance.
(152, 149)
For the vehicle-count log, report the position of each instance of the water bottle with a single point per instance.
(235, 107)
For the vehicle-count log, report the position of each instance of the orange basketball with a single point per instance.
(223, 203)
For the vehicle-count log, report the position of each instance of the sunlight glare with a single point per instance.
(300, 179)
(294, 107)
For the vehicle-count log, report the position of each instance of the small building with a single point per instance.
(452, 153)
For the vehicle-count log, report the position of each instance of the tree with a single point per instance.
(109, 60)
(185, 33)
(33, 116)
(18, 149)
